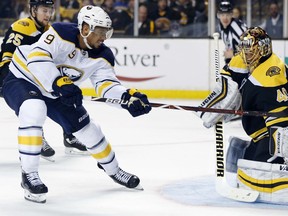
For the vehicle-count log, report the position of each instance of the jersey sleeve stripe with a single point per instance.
(37, 54)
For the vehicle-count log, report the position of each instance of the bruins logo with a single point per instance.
(24, 23)
(272, 71)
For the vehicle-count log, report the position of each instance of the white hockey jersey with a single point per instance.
(57, 53)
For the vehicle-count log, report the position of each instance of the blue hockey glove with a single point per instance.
(137, 103)
(70, 94)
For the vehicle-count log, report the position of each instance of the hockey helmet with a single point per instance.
(254, 44)
(225, 7)
(95, 16)
(41, 2)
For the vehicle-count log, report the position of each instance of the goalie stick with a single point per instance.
(196, 109)
(221, 185)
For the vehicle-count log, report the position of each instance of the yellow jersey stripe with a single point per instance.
(102, 87)
(37, 54)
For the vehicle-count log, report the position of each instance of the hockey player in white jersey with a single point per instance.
(47, 75)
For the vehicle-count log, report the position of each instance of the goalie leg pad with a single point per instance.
(270, 180)
(236, 150)
(224, 96)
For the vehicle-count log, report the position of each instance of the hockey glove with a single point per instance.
(70, 94)
(224, 96)
(137, 103)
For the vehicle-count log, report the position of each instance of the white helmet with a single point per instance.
(93, 16)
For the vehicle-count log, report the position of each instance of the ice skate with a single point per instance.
(34, 189)
(73, 146)
(126, 179)
(47, 152)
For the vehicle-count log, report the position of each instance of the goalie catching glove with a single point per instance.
(137, 103)
(70, 94)
(224, 96)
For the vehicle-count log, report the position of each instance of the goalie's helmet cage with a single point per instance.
(94, 16)
(254, 44)
(225, 7)
(41, 2)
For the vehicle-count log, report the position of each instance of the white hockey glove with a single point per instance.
(278, 142)
(224, 96)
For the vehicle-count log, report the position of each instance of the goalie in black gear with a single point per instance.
(261, 77)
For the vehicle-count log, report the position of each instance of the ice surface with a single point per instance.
(169, 150)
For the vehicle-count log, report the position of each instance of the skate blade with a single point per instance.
(38, 198)
(51, 158)
(75, 152)
(138, 187)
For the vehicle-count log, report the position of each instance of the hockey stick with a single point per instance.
(221, 185)
(198, 109)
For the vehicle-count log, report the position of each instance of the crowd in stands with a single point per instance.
(174, 18)
(156, 17)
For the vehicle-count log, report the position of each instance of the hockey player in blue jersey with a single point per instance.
(27, 31)
(44, 81)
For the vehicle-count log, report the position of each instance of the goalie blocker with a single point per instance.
(224, 96)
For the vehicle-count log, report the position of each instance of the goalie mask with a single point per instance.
(95, 17)
(254, 45)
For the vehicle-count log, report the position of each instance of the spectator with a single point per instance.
(25, 12)
(237, 13)
(130, 9)
(146, 26)
(199, 28)
(163, 15)
(70, 4)
(230, 29)
(108, 6)
(201, 13)
(186, 10)
(118, 14)
(151, 5)
(7, 9)
(83, 3)
(274, 23)
(98, 3)
(163, 10)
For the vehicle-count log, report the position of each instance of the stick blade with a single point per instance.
(237, 194)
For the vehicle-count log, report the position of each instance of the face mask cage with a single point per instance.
(249, 51)
(253, 48)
